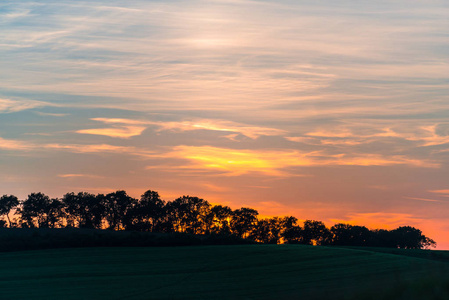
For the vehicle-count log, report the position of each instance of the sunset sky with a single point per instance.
(330, 110)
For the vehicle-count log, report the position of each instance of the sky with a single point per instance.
(329, 110)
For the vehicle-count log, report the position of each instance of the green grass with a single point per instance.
(224, 272)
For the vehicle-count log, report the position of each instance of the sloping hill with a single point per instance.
(424, 254)
(221, 272)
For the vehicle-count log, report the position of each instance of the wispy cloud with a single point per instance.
(8, 105)
(8, 144)
(93, 148)
(252, 132)
(52, 114)
(128, 127)
(429, 136)
(18, 145)
(444, 193)
(236, 162)
(79, 176)
(422, 199)
(356, 134)
(119, 132)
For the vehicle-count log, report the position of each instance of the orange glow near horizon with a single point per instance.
(238, 162)
(234, 102)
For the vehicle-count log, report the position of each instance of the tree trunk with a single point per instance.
(7, 216)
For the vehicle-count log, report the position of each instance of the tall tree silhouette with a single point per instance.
(411, 238)
(382, 238)
(220, 217)
(55, 214)
(148, 214)
(349, 235)
(7, 203)
(315, 233)
(84, 210)
(272, 230)
(117, 206)
(243, 221)
(34, 210)
(293, 235)
(290, 231)
(187, 214)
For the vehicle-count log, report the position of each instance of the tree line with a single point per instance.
(193, 215)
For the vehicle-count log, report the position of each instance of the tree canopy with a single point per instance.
(193, 215)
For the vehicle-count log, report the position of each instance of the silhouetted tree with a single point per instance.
(54, 214)
(272, 230)
(187, 214)
(381, 238)
(243, 221)
(293, 235)
(261, 232)
(148, 214)
(84, 210)
(349, 235)
(315, 233)
(117, 206)
(291, 232)
(411, 238)
(276, 225)
(34, 210)
(220, 217)
(7, 203)
(118, 211)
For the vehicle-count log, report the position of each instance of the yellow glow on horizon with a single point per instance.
(272, 162)
(237, 162)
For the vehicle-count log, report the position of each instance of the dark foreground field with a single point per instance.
(224, 272)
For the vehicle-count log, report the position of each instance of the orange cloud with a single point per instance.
(343, 136)
(6, 144)
(423, 199)
(15, 145)
(444, 193)
(120, 121)
(379, 160)
(252, 132)
(125, 128)
(95, 148)
(122, 128)
(380, 220)
(430, 137)
(237, 162)
(78, 176)
(121, 132)
(425, 134)
(346, 132)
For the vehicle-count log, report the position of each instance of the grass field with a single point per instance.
(224, 272)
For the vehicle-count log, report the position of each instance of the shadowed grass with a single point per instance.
(220, 272)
